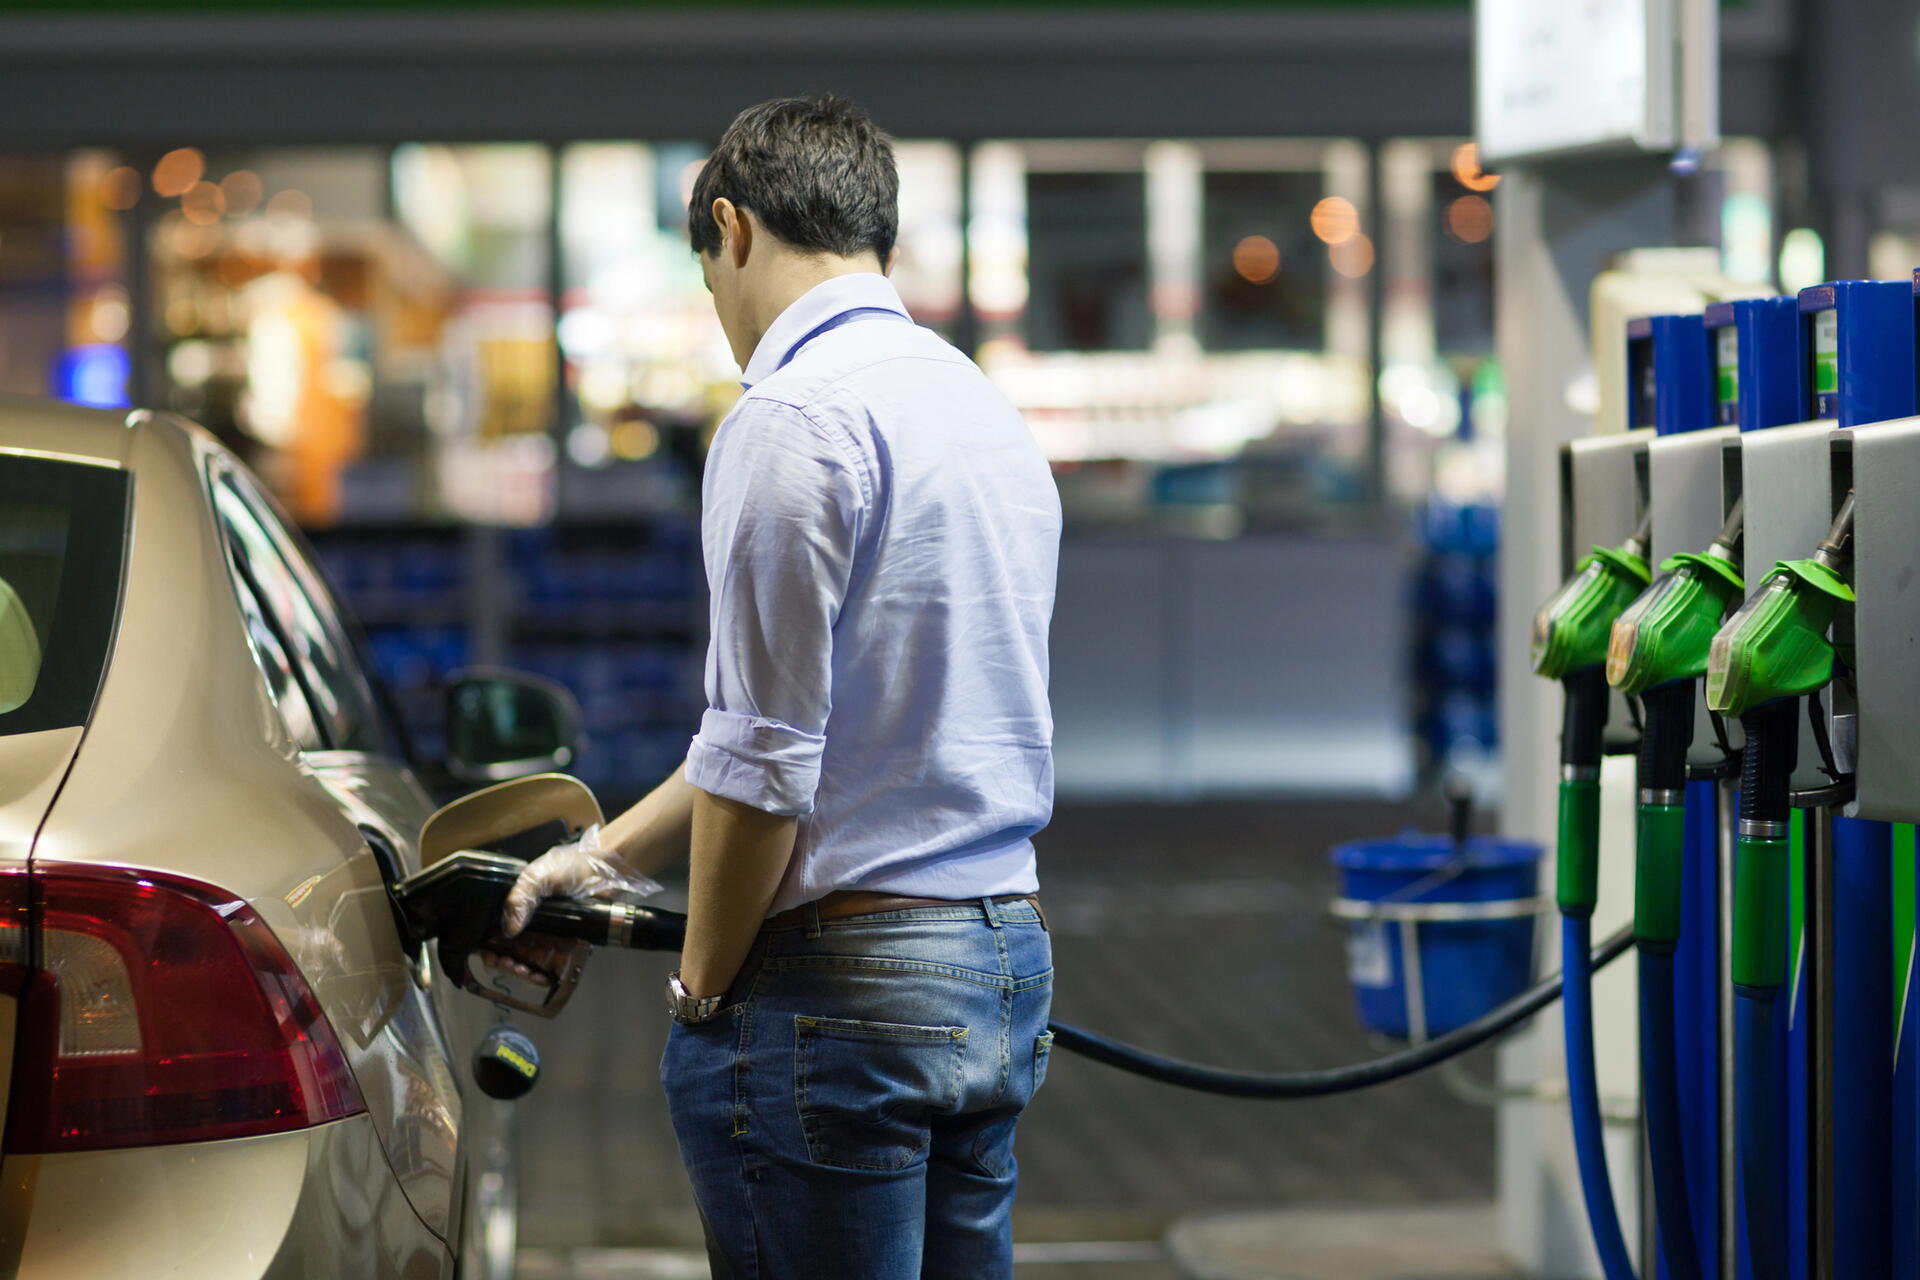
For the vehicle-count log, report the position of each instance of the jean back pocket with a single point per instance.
(867, 1091)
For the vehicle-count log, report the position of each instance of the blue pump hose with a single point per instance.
(1583, 1092)
(1660, 1073)
(1760, 1122)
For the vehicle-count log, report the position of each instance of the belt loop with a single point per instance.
(813, 919)
(993, 912)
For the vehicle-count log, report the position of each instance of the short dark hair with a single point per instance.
(817, 172)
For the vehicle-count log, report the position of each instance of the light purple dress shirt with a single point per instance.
(881, 535)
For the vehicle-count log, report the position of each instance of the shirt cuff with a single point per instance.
(758, 762)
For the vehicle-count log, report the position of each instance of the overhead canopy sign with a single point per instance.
(1620, 75)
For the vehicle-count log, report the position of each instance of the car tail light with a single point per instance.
(160, 1010)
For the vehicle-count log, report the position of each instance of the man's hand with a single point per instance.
(578, 869)
(531, 957)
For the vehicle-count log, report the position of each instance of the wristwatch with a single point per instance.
(687, 1008)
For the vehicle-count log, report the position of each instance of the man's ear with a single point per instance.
(736, 231)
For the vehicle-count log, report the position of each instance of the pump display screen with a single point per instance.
(1640, 383)
(1826, 363)
(1726, 382)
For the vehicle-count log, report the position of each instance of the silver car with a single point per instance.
(226, 1056)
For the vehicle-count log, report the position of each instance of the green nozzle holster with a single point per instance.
(1760, 891)
(1659, 838)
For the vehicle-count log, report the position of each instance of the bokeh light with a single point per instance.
(120, 188)
(203, 203)
(1467, 170)
(291, 203)
(1352, 258)
(1470, 219)
(110, 314)
(635, 440)
(243, 190)
(1335, 220)
(1803, 259)
(188, 239)
(178, 170)
(1257, 259)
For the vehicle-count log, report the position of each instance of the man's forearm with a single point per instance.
(739, 856)
(654, 834)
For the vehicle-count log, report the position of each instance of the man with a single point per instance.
(861, 1008)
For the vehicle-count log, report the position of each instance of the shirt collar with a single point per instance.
(816, 309)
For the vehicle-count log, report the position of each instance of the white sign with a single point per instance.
(1553, 76)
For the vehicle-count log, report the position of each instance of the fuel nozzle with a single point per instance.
(1776, 645)
(1664, 635)
(1571, 630)
(1570, 645)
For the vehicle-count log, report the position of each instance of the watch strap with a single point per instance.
(688, 1008)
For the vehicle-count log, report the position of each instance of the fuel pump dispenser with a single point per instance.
(1772, 653)
(1570, 636)
(1657, 653)
(1689, 381)
(1810, 897)
(1882, 464)
(1670, 377)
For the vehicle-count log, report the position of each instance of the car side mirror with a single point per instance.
(506, 724)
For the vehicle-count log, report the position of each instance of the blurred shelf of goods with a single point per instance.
(615, 610)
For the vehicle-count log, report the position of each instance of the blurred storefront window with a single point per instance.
(503, 333)
(64, 309)
(1185, 324)
(270, 307)
(484, 215)
(1440, 391)
(647, 369)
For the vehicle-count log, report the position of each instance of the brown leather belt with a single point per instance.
(842, 903)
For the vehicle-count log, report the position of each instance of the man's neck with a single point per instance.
(797, 275)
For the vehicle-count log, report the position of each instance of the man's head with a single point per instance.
(797, 190)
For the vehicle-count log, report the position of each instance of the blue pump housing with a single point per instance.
(1669, 374)
(1865, 330)
(1760, 362)
(1873, 357)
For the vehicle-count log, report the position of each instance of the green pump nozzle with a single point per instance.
(1776, 646)
(1570, 645)
(1571, 630)
(1665, 633)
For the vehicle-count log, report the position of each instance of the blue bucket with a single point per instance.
(1467, 967)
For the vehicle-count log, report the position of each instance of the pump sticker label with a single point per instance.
(1826, 362)
(1369, 961)
(1727, 370)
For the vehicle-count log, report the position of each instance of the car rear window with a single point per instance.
(63, 536)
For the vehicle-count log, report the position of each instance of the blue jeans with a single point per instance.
(850, 1115)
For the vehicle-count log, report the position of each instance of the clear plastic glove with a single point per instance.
(578, 869)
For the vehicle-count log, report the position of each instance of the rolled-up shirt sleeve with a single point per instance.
(781, 509)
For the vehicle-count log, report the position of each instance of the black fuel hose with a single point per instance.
(1327, 1080)
(648, 928)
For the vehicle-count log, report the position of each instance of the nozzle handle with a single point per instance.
(1768, 759)
(616, 923)
(1584, 718)
(1667, 712)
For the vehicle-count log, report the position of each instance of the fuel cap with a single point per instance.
(506, 1065)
